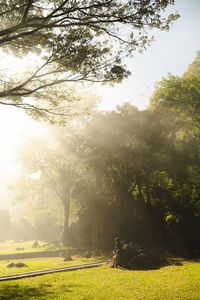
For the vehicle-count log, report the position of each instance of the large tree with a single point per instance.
(76, 41)
(131, 160)
(179, 97)
(129, 173)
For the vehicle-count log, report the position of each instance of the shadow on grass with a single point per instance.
(19, 292)
(149, 263)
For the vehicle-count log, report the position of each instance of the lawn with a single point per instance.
(170, 282)
(11, 247)
(44, 263)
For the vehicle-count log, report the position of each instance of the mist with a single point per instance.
(97, 174)
(126, 173)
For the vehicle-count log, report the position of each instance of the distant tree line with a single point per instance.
(127, 173)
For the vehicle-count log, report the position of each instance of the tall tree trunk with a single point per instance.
(66, 206)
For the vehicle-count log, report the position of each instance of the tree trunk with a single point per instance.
(66, 206)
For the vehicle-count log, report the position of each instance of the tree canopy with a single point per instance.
(128, 173)
(76, 41)
(180, 96)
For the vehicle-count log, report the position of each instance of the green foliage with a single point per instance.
(133, 174)
(194, 67)
(126, 173)
(134, 152)
(180, 95)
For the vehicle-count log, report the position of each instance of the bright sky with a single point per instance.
(14, 125)
(172, 52)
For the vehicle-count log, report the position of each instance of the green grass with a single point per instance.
(9, 247)
(44, 263)
(171, 282)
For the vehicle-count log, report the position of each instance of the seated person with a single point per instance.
(116, 253)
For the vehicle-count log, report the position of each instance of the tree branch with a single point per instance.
(30, 2)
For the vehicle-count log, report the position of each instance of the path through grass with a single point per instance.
(44, 263)
(171, 282)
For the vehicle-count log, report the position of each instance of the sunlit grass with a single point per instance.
(11, 247)
(44, 263)
(172, 282)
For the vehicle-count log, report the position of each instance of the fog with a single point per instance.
(104, 170)
(125, 173)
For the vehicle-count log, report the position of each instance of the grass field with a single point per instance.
(170, 282)
(101, 283)
(43, 263)
(13, 247)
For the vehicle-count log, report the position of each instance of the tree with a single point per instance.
(194, 67)
(131, 160)
(129, 173)
(180, 96)
(48, 174)
(76, 41)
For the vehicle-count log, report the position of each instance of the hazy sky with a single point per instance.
(171, 52)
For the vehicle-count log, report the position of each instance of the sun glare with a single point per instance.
(15, 64)
(14, 122)
(14, 126)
